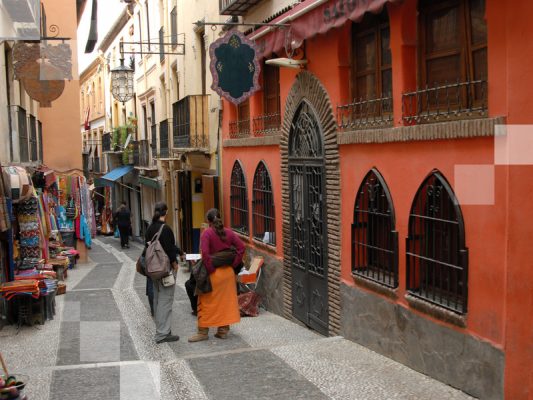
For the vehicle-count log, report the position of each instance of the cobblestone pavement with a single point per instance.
(100, 346)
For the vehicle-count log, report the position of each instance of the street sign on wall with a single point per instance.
(234, 67)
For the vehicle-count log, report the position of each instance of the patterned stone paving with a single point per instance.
(100, 346)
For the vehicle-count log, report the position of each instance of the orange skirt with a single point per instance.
(220, 306)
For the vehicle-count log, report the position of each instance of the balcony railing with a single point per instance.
(268, 124)
(365, 114)
(163, 139)
(239, 129)
(459, 100)
(191, 122)
(141, 154)
(236, 7)
(106, 142)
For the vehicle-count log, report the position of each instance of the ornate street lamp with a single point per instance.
(122, 80)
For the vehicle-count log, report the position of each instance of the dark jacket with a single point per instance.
(123, 218)
(167, 240)
(200, 274)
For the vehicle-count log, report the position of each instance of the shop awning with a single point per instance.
(305, 24)
(112, 176)
(153, 183)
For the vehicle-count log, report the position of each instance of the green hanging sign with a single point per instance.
(234, 67)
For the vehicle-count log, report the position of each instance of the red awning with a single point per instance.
(310, 18)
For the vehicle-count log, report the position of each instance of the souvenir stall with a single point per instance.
(49, 213)
(106, 213)
(30, 285)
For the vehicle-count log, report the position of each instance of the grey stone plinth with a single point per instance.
(270, 286)
(452, 357)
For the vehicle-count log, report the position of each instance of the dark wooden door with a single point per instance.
(308, 221)
(185, 212)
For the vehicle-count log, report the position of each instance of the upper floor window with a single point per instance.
(452, 61)
(371, 83)
(372, 60)
(374, 238)
(241, 126)
(437, 259)
(238, 199)
(270, 121)
(263, 219)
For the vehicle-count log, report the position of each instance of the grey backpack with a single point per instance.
(157, 261)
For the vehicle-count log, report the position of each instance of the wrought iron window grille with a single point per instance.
(268, 124)
(238, 200)
(163, 139)
(374, 238)
(449, 101)
(106, 142)
(239, 129)
(366, 114)
(437, 258)
(263, 217)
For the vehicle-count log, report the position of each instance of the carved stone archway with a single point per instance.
(308, 88)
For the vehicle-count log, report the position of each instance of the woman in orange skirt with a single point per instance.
(218, 308)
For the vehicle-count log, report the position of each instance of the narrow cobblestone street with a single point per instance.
(100, 345)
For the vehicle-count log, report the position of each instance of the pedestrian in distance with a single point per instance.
(163, 296)
(218, 308)
(123, 221)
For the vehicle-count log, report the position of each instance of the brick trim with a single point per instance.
(270, 140)
(468, 128)
(308, 87)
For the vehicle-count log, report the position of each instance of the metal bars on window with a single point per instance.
(365, 114)
(33, 139)
(263, 219)
(23, 134)
(162, 44)
(238, 199)
(40, 135)
(163, 139)
(437, 259)
(374, 239)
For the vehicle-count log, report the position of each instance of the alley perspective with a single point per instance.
(266, 199)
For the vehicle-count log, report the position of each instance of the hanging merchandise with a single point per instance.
(17, 182)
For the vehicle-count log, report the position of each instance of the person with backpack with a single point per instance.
(161, 255)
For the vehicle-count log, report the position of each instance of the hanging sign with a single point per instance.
(234, 67)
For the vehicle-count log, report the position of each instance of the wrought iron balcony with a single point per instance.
(141, 154)
(365, 114)
(239, 129)
(106, 142)
(190, 128)
(460, 100)
(236, 7)
(268, 124)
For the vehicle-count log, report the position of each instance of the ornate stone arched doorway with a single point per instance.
(311, 206)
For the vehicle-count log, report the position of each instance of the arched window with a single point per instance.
(374, 238)
(238, 199)
(437, 259)
(263, 221)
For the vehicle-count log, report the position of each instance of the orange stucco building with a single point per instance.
(389, 218)
(61, 138)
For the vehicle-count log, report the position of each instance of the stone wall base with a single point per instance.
(270, 286)
(457, 359)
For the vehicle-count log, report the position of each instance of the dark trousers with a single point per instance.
(124, 235)
(150, 294)
(190, 286)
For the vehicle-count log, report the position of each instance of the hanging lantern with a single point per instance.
(122, 82)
